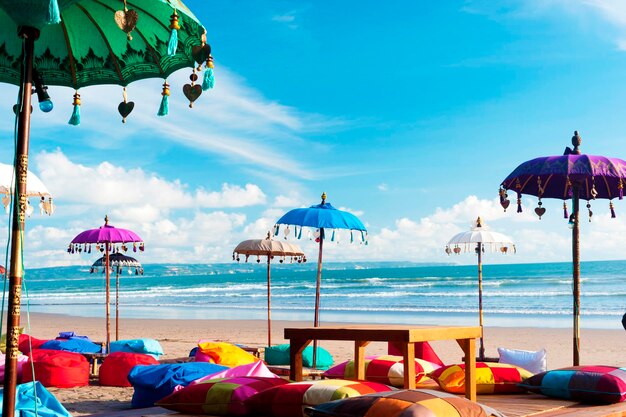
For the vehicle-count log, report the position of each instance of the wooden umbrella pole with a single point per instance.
(117, 303)
(107, 297)
(481, 350)
(269, 317)
(318, 284)
(16, 271)
(576, 272)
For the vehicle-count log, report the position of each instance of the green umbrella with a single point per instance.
(78, 43)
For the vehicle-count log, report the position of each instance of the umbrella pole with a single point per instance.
(481, 350)
(269, 318)
(576, 273)
(318, 284)
(16, 271)
(117, 303)
(107, 297)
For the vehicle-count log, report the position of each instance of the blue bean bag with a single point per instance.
(72, 345)
(146, 346)
(153, 382)
(47, 404)
(71, 335)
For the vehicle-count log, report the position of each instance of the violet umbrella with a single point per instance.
(110, 240)
(475, 240)
(321, 216)
(270, 249)
(570, 176)
(119, 262)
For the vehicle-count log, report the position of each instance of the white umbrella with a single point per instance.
(271, 249)
(476, 240)
(35, 188)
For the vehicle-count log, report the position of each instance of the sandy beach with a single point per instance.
(178, 337)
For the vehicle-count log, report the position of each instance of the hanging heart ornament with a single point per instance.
(125, 108)
(540, 211)
(127, 21)
(505, 204)
(192, 92)
(201, 53)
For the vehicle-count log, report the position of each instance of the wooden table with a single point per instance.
(403, 337)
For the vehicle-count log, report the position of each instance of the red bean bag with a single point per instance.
(115, 368)
(24, 346)
(57, 368)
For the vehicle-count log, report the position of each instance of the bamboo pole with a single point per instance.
(481, 350)
(576, 273)
(318, 284)
(269, 317)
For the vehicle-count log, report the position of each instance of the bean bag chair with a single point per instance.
(153, 382)
(25, 342)
(423, 350)
(21, 360)
(223, 353)
(279, 355)
(56, 368)
(34, 400)
(256, 369)
(71, 335)
(72, 345)
(116, 367)
(147, 346)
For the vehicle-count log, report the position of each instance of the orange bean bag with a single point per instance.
(57, 368)
(115, 368)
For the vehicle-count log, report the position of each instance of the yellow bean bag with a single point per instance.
(223, 353)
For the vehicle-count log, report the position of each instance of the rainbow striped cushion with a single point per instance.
(222, 396)
(289, 400)
(491, 378)
(386, 369)
(402, 403)
(589, 384)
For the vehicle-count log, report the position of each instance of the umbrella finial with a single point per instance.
(479, 222)
(576, 141)
(106, 219)
(323, 198)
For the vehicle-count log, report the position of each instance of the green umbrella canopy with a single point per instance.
(87, 47)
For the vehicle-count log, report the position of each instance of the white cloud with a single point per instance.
(383, 187)
(288, 19)
(231, 196)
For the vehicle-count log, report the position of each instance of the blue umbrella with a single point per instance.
(321, 216)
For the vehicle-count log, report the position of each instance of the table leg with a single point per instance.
(408, 352)
(469, 348)
(296, 346)
(359, 359)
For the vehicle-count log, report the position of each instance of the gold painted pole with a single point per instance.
(576, 272)
(16, 272)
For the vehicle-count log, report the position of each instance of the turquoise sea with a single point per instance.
(359, 292)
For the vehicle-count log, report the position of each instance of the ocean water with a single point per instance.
(358, 292)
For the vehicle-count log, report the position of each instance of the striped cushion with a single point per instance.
(589, 384)
(404, 403)
(289, 400)
(491, 378)
(220, 397)
(386, 369)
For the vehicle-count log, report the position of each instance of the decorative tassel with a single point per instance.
(332, 238)
(172, 43)
(75, 118)
(565, 214)
(362, 236)
(276, 229)
(612, 210)
(351, 237)
(164, 108)
(209, 77)
(54, 15)
(519, 203)
(590, 212)
(300, 233)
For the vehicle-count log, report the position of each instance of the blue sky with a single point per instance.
(408, 114)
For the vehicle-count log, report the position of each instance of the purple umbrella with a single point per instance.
(574, 176)
(110, 240)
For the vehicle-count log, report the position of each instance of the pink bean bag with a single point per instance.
(115, 368)
(57, 368)
(21, 359)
